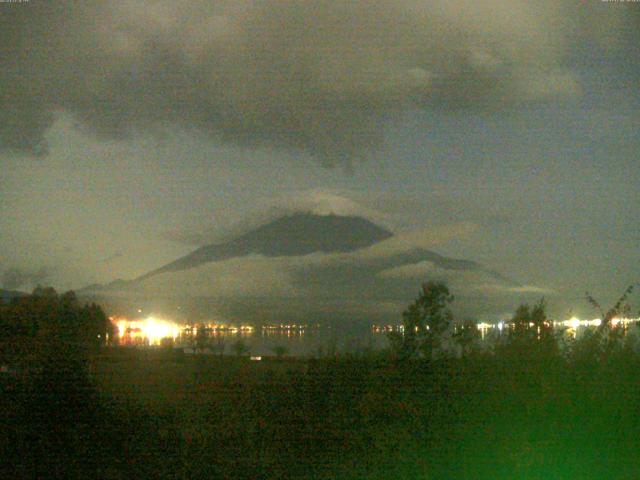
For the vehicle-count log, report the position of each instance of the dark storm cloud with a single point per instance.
(320, 77)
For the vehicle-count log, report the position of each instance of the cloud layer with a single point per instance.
(373, 283)
(317, 201)
(320, 77)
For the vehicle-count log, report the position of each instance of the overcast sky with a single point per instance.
(130, 130)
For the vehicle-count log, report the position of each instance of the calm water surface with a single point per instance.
(296, 342)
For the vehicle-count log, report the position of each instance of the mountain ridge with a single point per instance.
(309, 266)
(8, 295)
(290, 235)
(296, 235)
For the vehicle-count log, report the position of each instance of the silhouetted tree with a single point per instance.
(467, 336)
(606, 338)
(620, 308)
(531, 332)
(201, 340)
(50, 338)
(45, 321)
(521, 333)
(425, 321)
(44, 292)
(95, 325)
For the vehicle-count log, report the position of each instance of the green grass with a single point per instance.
(483, 417)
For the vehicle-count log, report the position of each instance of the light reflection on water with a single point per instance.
(299, 340)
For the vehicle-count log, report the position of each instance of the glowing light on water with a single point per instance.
(484, 328)
(150, 330)
(575, 322)
(572, 325)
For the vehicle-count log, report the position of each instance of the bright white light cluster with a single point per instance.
(596, 322)
(575, 322)
(150, 329)
(572, 323)
(218, 328)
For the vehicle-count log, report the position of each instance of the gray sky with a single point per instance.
(128, 129)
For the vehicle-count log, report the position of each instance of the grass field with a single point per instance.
(479, 417)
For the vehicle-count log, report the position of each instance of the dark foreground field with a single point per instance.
(145, 414)
(535, 406)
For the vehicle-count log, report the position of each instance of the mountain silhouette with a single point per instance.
(292, 235)
(359, 272)
(7, 295)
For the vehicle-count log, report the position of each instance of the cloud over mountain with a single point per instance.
(332, 267)
(315, 201)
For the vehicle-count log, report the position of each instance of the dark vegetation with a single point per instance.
(538, 405)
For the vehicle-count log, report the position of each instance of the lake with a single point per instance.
(302, 340)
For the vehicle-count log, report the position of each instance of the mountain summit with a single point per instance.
(359, 272)
(288, 236)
